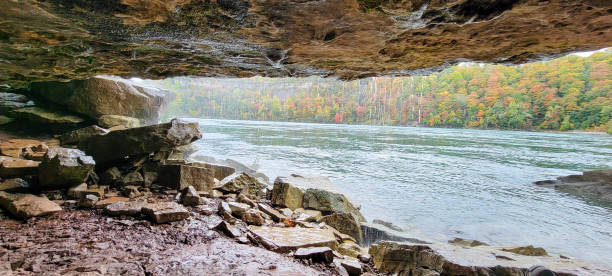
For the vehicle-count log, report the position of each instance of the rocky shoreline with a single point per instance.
(155, 213)
(112, 193)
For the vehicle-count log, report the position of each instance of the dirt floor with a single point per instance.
(84, 242)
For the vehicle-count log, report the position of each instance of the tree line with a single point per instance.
(568, 93)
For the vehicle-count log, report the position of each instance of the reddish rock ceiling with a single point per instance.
(73, 39)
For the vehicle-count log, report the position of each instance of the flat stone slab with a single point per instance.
(124, 208)
(163, 212)
(108, 201)
(45, 116)
(292, 238)
(28, 205)
(11, 167)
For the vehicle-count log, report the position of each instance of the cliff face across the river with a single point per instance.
(112, 194)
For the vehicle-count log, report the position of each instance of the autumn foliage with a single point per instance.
(563, 94)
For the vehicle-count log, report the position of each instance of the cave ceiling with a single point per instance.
(75, 39)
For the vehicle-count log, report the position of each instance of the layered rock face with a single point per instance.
(59, 40)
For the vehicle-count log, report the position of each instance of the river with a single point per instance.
(439, 183)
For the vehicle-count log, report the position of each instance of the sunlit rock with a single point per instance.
(12, 101)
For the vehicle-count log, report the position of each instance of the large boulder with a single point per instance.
(346, 223)
(311, 192)
(286, 193)
(326, 201)
(76, 136)
(63, 167)
(105, 95)
(142, 140)
(179, 177)
(217, 171)
(241, 182)
(27, 205)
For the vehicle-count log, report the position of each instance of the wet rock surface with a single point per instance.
(81, 242)
(345, 223)
(373, 232)
(593, 185)
(443, 259)
(288, 239)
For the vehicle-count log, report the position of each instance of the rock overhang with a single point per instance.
(64, 40)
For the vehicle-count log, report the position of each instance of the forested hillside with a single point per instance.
(563, 94)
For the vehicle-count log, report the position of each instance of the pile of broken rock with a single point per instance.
(142, 173)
